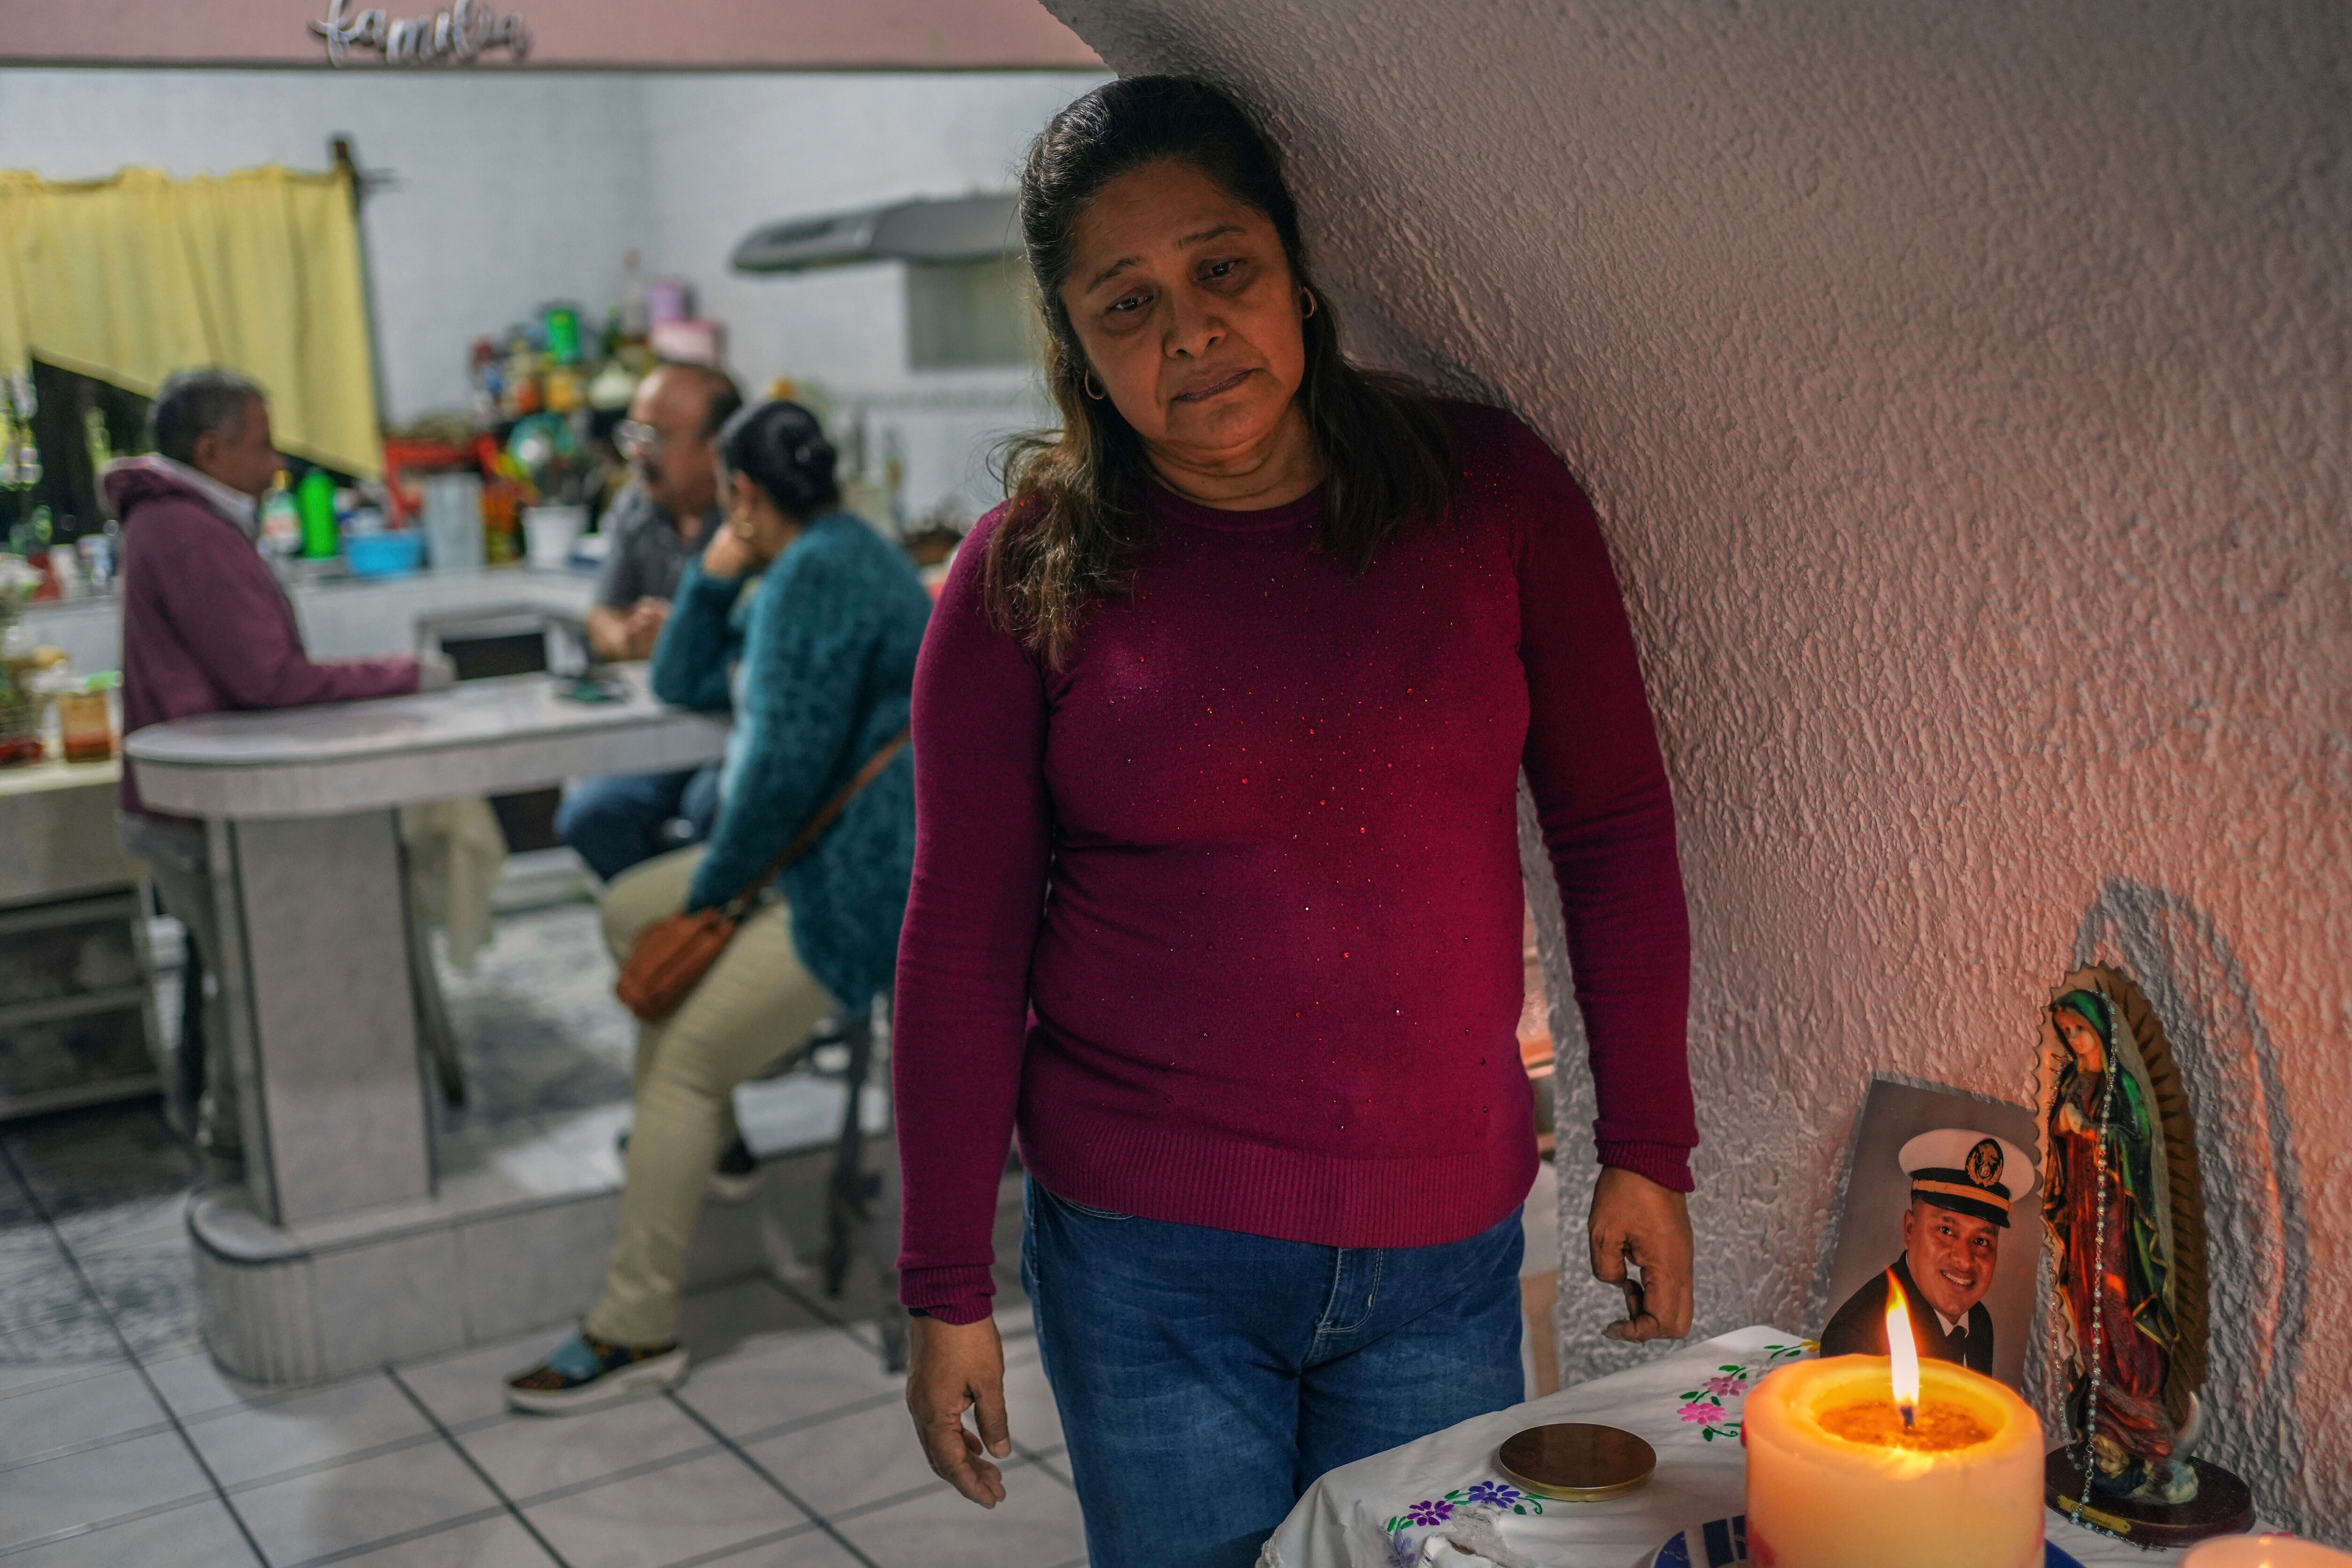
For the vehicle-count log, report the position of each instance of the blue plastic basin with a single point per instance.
(384, 555)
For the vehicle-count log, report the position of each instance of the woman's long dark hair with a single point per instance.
(1078, 507)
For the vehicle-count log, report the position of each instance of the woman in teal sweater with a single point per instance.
(816, 661)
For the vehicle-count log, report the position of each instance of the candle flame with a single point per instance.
(1902, 1354)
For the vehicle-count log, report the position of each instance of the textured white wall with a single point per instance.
(1963, 388)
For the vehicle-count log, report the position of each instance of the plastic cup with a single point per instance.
(550, 532)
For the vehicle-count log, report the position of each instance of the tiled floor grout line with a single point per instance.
(251, 1399)
(803, 1423)
(474, 1465)
(102, 1369)
(68, 1450)
(720, 1553)
(75, 1532)
(41, 1209)
(769, 1476)
(810, 1302)
(1046, 1462)
(1050, 1464)
(422, 1533)
(650, 1466)
(321, 1466)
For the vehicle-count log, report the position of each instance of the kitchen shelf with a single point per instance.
(52, 1009)
(48, 917)
(73, 1097)
(92, 1044)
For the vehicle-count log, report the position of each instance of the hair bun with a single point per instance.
(781, 447)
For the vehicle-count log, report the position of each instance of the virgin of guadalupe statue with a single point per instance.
(2124, 1210)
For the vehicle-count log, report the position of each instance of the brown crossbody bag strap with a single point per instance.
(671, 956)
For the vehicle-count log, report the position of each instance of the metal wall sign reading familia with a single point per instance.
(454, 37)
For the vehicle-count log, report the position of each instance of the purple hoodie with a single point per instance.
(205, 626)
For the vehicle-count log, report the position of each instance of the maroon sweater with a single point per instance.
(1226, 912)
(205, 625)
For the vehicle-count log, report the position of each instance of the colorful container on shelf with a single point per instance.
(389, 555)
(314, 501)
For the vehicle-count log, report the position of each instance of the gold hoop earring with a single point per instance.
(1088, 383)
(1308, 295)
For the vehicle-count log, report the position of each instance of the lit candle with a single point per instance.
(2264, 1551)
(1860, 1461)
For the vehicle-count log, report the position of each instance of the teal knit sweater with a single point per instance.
(822, 665)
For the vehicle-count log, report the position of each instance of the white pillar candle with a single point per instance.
(2266, 1551)
(1837, 1478)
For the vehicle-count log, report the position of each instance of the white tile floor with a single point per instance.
(122, 1446)
(787, 1448)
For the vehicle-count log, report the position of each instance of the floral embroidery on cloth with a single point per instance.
(1462, 1511)
(1708, 1406)
(1470, 1516)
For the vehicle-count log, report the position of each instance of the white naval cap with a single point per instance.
(1968, 1171)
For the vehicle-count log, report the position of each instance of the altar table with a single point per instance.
(1423, 1503)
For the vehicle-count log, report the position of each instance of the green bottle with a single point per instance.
(314, 499)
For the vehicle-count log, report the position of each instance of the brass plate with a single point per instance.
(1574, 1462)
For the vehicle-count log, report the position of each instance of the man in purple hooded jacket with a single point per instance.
(205, 627)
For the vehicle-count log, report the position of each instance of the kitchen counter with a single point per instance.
(57, 831)
(479, 737)
(340, 617)
(320, 974)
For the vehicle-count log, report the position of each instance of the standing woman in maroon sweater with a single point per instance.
(1216, 894)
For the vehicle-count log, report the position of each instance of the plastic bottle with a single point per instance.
(637, 319)
(562, 325)
(281, 521)
(314, 499)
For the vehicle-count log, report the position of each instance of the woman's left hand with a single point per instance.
(1637, 1223)
(727, 555)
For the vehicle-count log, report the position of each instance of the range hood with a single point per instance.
(955, 229)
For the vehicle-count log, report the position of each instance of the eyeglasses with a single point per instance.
(634, 438)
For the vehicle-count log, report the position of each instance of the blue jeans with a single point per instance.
(1206, 1377)
(616, 823)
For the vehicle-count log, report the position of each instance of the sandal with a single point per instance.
(586, 1372)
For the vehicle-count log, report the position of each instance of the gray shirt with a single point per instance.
(646, 556)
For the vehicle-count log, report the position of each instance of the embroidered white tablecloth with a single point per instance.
(1418, 1505)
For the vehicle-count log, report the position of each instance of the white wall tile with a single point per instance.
(389, 1302)
(540, 1268)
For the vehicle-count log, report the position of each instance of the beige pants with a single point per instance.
(755, 1005)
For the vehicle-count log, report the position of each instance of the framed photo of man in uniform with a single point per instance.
(1939, 1197)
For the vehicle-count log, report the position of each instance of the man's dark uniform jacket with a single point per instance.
(1860, 1326)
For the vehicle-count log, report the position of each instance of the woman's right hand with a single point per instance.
(953, 1368)
(729, 555)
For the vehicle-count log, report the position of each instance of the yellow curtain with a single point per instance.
(132, 277)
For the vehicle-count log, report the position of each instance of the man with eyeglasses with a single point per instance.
(660, 522)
